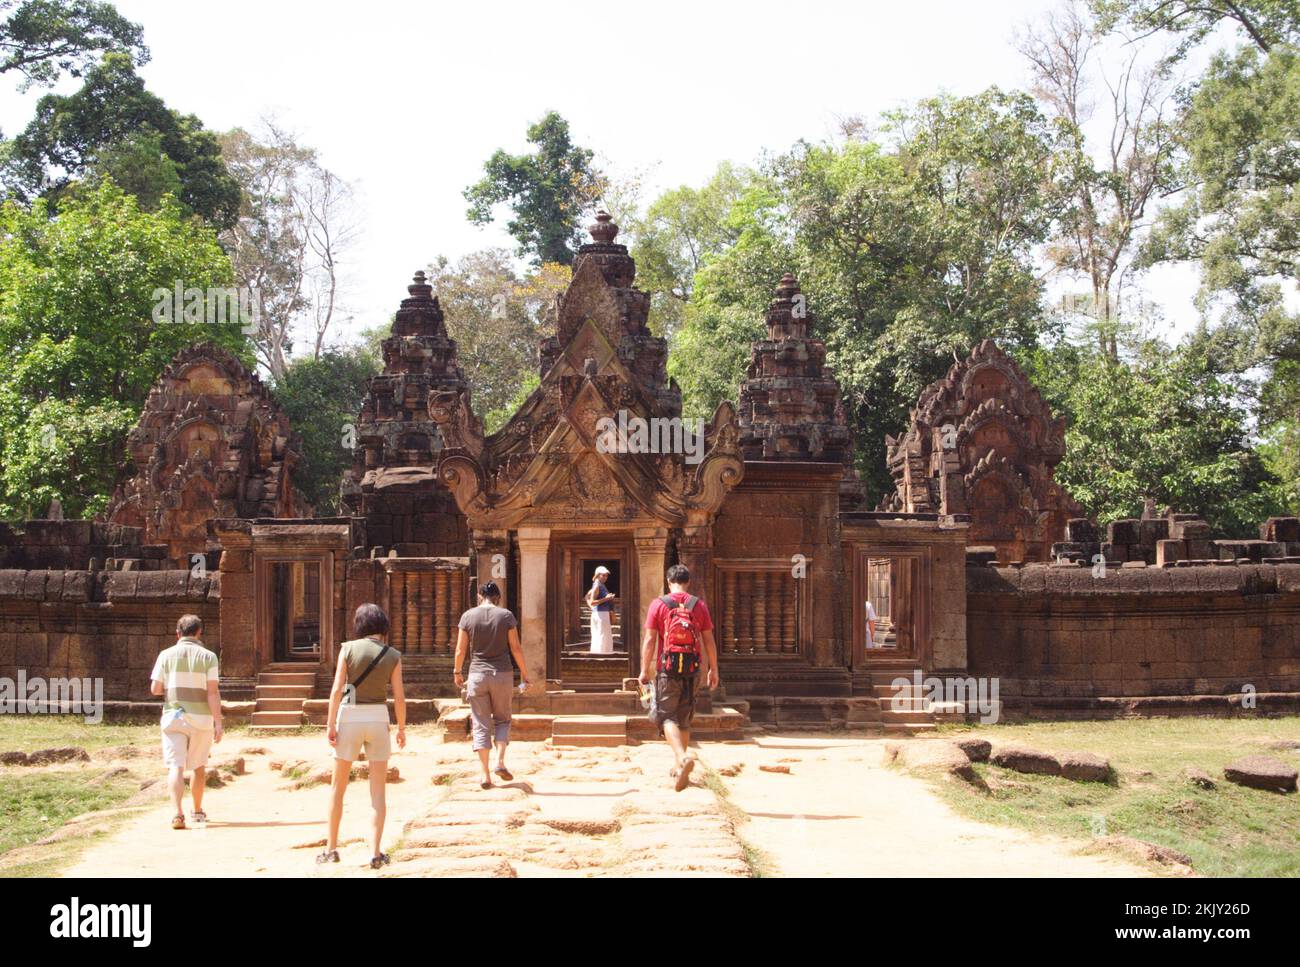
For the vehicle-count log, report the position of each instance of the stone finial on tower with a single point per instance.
(420, 290)
(787, 316)
(604, 231)
(790, 405)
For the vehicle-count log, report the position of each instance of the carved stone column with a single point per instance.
(534, 546)
(491, 559)
(651, 563)
(695, 548)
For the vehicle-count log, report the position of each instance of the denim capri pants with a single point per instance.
(489, 694)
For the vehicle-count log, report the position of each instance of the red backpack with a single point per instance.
(680, 652)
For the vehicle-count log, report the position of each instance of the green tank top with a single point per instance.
(359, 654)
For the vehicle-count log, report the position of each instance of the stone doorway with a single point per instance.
(295, 619)
(574, 560)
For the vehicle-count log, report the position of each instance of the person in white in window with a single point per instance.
(601, 602)
(871, 625)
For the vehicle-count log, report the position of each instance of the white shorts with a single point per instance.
(183, 745)
(363, 727)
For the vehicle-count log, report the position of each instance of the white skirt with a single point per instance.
(602, 633)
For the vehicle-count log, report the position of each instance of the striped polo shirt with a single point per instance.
(185, 669)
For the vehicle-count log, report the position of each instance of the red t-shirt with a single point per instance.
(656, 615)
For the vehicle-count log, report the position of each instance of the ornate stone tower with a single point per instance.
(210, 443)
(790, 405)
(391, 482)
(983, 442)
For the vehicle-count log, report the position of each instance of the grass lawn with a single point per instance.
(1227, 831)
(35, 802)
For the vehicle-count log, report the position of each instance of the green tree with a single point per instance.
(679, 230)
(321, 395)
(73, 135)
(1160, 422)
(1266, 23)
(77, 303)
(42, 39)
(911, 250)
(497, 317)
(548, 192)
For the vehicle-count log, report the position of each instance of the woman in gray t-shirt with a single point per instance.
(489, 634)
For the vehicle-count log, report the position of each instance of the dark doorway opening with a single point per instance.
(296, 610)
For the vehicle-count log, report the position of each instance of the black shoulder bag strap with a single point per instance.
(371, 667)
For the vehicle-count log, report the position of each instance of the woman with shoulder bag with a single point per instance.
(358, 718)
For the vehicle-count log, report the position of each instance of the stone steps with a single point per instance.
(280, 692)
(282, 718)
(588, 731)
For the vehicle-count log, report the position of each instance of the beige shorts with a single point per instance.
(184, 746)
(363, 731)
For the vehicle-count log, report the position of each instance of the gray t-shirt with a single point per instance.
(488, 628)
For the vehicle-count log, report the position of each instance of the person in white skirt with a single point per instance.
(601, 602)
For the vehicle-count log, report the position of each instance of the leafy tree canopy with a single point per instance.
(321, 395)
(1161, 422)
(911, 248)
(497, 317)
(548, 192)
(111, 120)
(41, 39)
(1266, 23)
(77, 300)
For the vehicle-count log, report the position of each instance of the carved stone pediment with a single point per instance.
(984, 442)
(211, 442)
(557, 459)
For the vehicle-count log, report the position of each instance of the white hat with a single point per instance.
(602, 569)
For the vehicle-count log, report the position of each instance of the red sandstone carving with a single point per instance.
(211, 442)
(790, 404)
(983, 442)
(392, 482)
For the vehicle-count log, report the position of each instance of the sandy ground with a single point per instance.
(841, 812)
(591, 812)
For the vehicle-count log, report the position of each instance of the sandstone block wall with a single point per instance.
(99, 624)
(1058, 631)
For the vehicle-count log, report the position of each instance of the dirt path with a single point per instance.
(590, 812)
(841, 812)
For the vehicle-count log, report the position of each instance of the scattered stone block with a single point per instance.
(1151, 852)
(1085, 767)
(1200, 778)
(1262, 772)
(1022, 759)
(1280, 529)
(45, 757)
(977, 750)
(780, 770)
(1127, 531)
(1082, 530)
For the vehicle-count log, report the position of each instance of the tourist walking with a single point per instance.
(601, 602)
(677, 648)
(358, 721)
(186, 675)
(489, 635)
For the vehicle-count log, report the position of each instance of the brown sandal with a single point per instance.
(178, 821)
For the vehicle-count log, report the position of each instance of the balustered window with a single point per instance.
(424, 608)
(761, 608)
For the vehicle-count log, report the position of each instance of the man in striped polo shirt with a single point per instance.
(186, 674)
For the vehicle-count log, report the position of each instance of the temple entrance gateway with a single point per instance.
(573, 561)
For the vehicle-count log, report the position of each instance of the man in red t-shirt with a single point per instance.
(673, 706)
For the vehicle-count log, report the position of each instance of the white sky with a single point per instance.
(407, 100)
